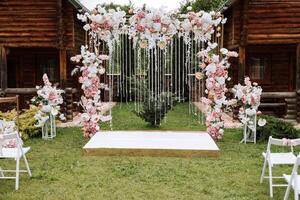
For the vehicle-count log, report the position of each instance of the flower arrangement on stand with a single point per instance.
(48, 101)
(248, 97)
(215, 68)
(91, 69)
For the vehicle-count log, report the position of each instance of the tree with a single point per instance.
(197, 5)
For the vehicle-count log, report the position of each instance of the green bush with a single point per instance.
(276, 128)
(27, 121)
(155, 108)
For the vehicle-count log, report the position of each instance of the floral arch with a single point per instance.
(162, 51)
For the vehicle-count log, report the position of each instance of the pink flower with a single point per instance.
(140, 28)
(46, 80)
(141, 15)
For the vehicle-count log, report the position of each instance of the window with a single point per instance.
(48, 65)
(259, 68)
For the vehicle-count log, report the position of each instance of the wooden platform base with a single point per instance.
(152, 143)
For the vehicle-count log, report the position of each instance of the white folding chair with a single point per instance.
(293, 181)
(286, 158)
(13, 153)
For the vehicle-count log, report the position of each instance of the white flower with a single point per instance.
(84, 117)
(54, 111)
(224, 21)
(97, 18)
(62, 117)
(189, 8)
(261, 122)
(224, 51)
(101, 70)
(86, 27)
(211, 68)
(46, 108)
(250, 111)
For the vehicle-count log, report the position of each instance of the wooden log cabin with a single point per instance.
(38, 37)
(266, 34)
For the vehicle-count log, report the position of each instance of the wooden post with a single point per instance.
(3, 68)
(242, 63)
(60, 44)
(243, 41)
(298, 81)
(62, 66)
(298, 68)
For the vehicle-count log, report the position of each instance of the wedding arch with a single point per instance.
(161, 51)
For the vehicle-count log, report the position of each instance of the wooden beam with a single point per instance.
(63, 66)
(20, 90)
(244, 23)
(3, 67)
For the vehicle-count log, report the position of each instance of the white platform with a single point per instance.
(151, 143)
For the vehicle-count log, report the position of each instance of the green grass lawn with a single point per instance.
(61, 172)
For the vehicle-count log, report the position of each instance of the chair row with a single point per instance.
(272, 159)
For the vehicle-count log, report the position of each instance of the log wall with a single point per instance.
(269, 22)
(36, 23)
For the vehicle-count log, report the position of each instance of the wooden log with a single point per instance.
(276, 95)
(20, 90)
(69, 104)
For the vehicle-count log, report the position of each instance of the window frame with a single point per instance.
(268, 68)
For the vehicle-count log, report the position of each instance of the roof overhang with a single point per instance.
(78, 5)
(227, 4)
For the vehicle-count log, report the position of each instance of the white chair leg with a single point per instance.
(17, 172)
(270, 181)
(27, 165)
(263, 171)
(296, 196)
(245, 135)
(287, 192)
(1, 172)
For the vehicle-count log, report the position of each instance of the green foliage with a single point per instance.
(155, 108)
(27, 121)
(276, 128)
(197, 5)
